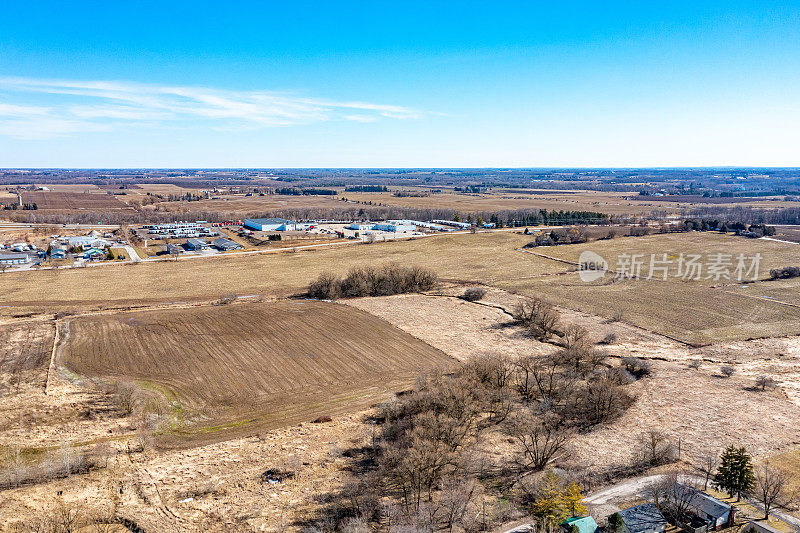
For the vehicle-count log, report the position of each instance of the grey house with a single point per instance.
(716, 513)
(645, 518)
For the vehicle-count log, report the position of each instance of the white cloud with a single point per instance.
(79, 106)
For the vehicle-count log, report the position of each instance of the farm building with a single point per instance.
(196, 244)
(14, 259)
(584, 524)
(226, 244)
(270, 224)
(644, 518)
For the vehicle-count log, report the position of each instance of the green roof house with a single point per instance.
(584, 524)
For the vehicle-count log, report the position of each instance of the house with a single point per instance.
(58, 253)
(270, 224)
(93, 254)
(716, 513)
(580, 524)
(644, 518)
(196, 244)
(759, 527)
(226, 244)
(14, 259)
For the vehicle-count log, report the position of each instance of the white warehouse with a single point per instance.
(272, 224)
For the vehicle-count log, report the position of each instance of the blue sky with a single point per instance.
(366, 84)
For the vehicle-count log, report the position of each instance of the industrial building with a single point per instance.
(226, 245)
(361, 226)
(14, 259)
(271, 224)
(396, 226)
(196, 244)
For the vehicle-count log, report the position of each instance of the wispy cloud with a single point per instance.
(80, 106)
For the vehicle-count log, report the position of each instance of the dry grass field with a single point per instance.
(691, 311)
(773, 254)
(484, 257)
(242, 366)
(73, 201)
(614, 203)
(242, 206)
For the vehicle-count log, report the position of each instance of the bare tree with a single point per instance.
(656, 449)
(540, 439)
(706, 465)
(538, 316)
(764, 382)
(727, 371)
(770, 487)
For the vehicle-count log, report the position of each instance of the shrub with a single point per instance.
(538, 316)
(610, 338)
(637, 367)
(784, 273)
(369, 281)
(727, 371)
(473, 294)
(326, 287)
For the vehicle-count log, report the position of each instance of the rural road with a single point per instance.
(636, 487)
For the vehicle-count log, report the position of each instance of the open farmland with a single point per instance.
(71, 201)
(773, 254)
(239, 366)
(487, 257)
(614, 203)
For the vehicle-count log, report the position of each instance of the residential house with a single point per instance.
(644, 518)
(580, 524)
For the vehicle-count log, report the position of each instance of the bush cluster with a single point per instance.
(784, 273)
(370, 281)
(473, 294)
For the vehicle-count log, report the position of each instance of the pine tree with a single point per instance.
(735, 473)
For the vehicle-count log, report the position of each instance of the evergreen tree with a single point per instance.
(735, 473)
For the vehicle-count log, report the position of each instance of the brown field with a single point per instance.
(71, 201)
(244, 365)
(693, 312)
(615, 203)
(489, 257)
(242, 205)
(773, 254)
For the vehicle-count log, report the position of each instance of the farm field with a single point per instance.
(773, 254)
(691, 311)
(242, 206)
(227, 369)
(486, 257)
(71, 201)
(615, 203)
